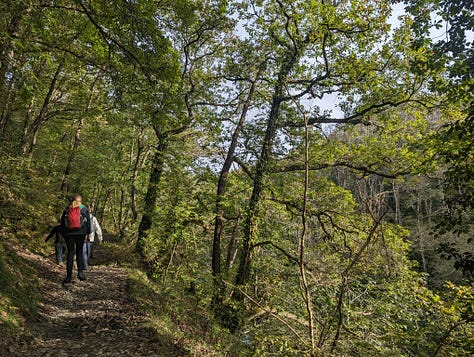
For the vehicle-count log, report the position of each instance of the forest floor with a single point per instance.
(95, 317)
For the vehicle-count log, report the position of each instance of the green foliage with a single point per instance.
(19, 291)
(451, 60)
(92, 92)
(457, 153)
(182, 316)
(23, 204)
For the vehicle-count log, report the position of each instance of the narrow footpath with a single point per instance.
(95, 317)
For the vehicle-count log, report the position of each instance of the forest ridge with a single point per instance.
(245, 212)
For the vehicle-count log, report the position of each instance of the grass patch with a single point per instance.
(113, 252)
(182, 319)
(19, 291)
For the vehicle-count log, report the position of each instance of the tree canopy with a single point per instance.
(303, 169)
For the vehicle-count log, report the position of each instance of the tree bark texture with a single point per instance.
(221, 186)
(261, 170)
(151, 193)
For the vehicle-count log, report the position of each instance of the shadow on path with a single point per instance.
(88, 318)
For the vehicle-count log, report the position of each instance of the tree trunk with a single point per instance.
(396, 198)
(26, 123)
(103, 208)
(261, 170)
(35, 127)
(221, 188)
(304, 222)
(136, 169)
(123, 210)
(231, 249)
(6, 57)
(5, 113)
(151, 193)
(65, 186)
(421, 230)
(75, 142)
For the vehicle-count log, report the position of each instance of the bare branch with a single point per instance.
(366, 170)
(68, 8)
(313, 81)
(287, 28)
(244, 167)
(269, 311)
(283, 251)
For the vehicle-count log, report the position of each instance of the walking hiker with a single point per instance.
(59, 243)
(95, 230)
(75, 225)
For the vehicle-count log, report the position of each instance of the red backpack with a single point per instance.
(73, 218)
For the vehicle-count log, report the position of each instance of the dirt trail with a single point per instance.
(88, 318)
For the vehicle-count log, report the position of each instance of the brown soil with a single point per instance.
(95, 317)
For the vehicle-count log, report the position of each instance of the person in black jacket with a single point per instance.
(59, 243)
(75, 238)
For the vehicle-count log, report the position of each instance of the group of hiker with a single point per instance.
(75, 233)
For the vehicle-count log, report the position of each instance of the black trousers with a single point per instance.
(75, 244)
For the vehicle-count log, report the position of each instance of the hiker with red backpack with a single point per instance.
(75, 225)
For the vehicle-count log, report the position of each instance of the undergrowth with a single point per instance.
(19, 291)
(183, 317)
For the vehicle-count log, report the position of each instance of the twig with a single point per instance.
(266, 310)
